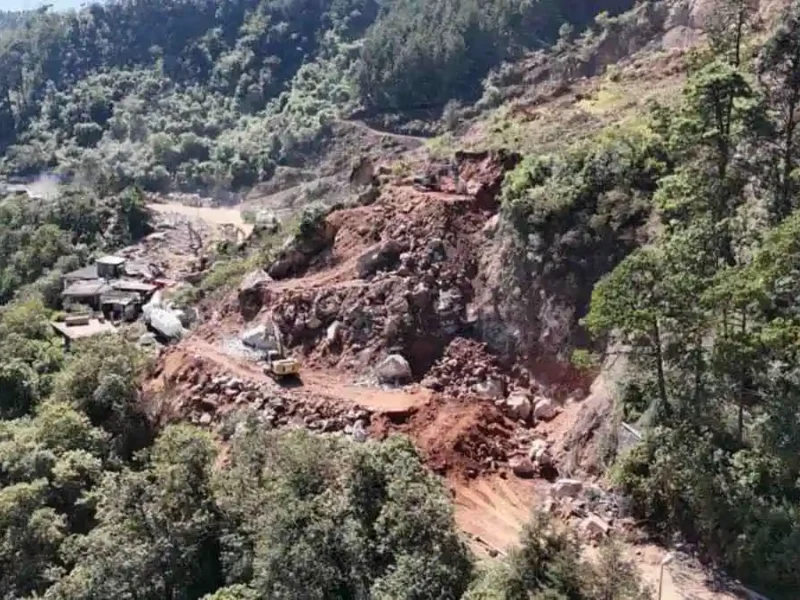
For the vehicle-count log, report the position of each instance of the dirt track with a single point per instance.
(315, 382)
(215, 216)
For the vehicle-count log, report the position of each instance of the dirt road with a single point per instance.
(212, 215)
(315, 382)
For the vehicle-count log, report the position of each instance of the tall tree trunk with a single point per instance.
(698, 374)
(742, 382)
(662, 383)
(785, 198)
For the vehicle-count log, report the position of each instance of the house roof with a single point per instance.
(85, 289)
(75, 332)
(138, 269)
(118, 297)
(89, 272)
(111, 260)
(130, 285)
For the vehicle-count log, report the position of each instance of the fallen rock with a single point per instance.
(544, 409)
(566, 488)
(522, 467)
(359, 433)
(393, 369)
(491, 225)
(491, 388)
(267, 222)
(166, 323)
(368, 196)
(382, 258)
(421, 296)
(540, 453)
(333, 332)
(251, 293)
(147, 340)
(519, 405)
(187, 316)
(257, 338)
(595, 527)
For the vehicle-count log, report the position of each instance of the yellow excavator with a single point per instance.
(278, 364)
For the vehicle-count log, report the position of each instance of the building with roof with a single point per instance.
(106, 286)
(82, 274)
(110, 267)
(79, 327)
(120, 306)
(86, 292)
(107, 267)
(143, 289)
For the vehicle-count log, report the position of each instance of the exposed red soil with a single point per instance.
(417, 302)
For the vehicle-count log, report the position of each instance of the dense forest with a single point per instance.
(701, 301)
(202, 95)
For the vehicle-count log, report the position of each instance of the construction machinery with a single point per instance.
(278, 364)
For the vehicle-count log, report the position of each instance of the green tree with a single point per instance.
(100, 380)
(158, 530)
(347, 520)
(779, 72)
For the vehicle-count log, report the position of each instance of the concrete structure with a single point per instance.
(142, 289)
(86, 292)
(120, 306)
(81, 327)
(104, 286)
(82, 274)
(110, 267)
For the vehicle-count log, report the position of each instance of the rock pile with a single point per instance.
(598, 510)
(405, 270)
(208, 398)
(467, 368)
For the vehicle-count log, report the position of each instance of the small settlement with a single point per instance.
(112, 290)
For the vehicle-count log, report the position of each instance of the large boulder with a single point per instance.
(251, 293)
(333, 332)
(290, 261)
(522, 467)
(266, 222)
(595, 527)
(450, 308)
(394, 369)
(490, 388)
(540, 453)
(421, 296)
(544, 409)
(316, 234)
(382, 258)
(258, 338)
(566, 488)
(363, 172)
(368, 196)
(519, 405)
(166, 323)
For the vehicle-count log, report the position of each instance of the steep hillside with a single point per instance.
(200, 96)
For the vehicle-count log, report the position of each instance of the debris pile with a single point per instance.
(209, 398)
(465, 368)
(395, 277)
(596, 510)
